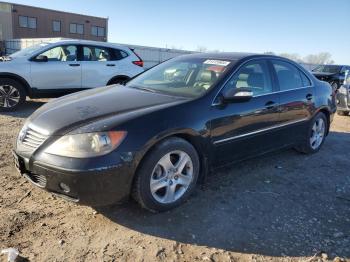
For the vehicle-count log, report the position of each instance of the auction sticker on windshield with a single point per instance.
(217, 62)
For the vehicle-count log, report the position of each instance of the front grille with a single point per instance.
(38, 180)
(33, 139)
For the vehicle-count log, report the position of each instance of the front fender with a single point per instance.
(23, 80)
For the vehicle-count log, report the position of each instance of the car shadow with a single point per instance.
(281, 204)
(26, 109)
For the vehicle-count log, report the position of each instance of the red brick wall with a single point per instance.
(45, 28)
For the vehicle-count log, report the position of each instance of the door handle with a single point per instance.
(110, 65)
(74, 64)
(309, 97)
(270, 105)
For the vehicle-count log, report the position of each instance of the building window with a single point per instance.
(23, 21)
(27, 22)
(56, 26)
(97, 31)
(32, 22)
(76, 29)
(94, 30)
(80, 29)
(73, 28)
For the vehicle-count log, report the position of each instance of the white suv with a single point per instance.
(54, 69)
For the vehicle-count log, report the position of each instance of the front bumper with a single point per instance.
(93, 187)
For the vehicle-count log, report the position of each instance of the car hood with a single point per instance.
(67, 113)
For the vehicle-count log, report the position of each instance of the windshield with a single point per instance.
(187, 77)
(29, 50)
(327, 69)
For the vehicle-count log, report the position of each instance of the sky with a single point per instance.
(281, 26)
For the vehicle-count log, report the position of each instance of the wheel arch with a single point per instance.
(19, 79)
(198, 146)
(189, 136)
(327, 113)
(117, 77)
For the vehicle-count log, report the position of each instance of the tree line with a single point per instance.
(321, 58)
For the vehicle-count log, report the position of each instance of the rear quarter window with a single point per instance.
(306, 81)
(119, 54)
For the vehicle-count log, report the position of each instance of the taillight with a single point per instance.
(139, 63)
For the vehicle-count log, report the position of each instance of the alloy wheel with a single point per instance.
(171, 177)
(9, 96)
(317, 133)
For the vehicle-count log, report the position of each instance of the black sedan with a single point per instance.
(159, 135)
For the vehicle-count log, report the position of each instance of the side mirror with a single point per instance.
(41, 58)
(233, 95)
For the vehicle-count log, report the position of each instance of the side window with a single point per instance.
(305, 79)
(62, 53)
(119, 54)
(94, 53)
(288, 75)
(254, 75)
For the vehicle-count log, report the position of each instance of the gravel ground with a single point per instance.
(283, 206)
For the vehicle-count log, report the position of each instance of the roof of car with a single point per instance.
(228, 55)
(85, 42)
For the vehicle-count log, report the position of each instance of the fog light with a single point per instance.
(64, 187)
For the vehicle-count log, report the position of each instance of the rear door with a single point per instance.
(297, 100)
(243, 129)
(100, 64)
(61, 72)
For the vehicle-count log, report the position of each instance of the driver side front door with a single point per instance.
(243, 129)
(61, 72)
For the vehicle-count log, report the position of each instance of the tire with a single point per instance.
(343, 113)
(154, 170)
(309, 145)
(12, 94)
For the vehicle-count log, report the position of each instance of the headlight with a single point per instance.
(86, 145)
(343, 90)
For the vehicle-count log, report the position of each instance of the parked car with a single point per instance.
(343, 97)
(333, 74)
(156, 137)
(55, 69)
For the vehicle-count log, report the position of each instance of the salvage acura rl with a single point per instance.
(161, 133)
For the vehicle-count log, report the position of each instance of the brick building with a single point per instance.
(21, 21)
